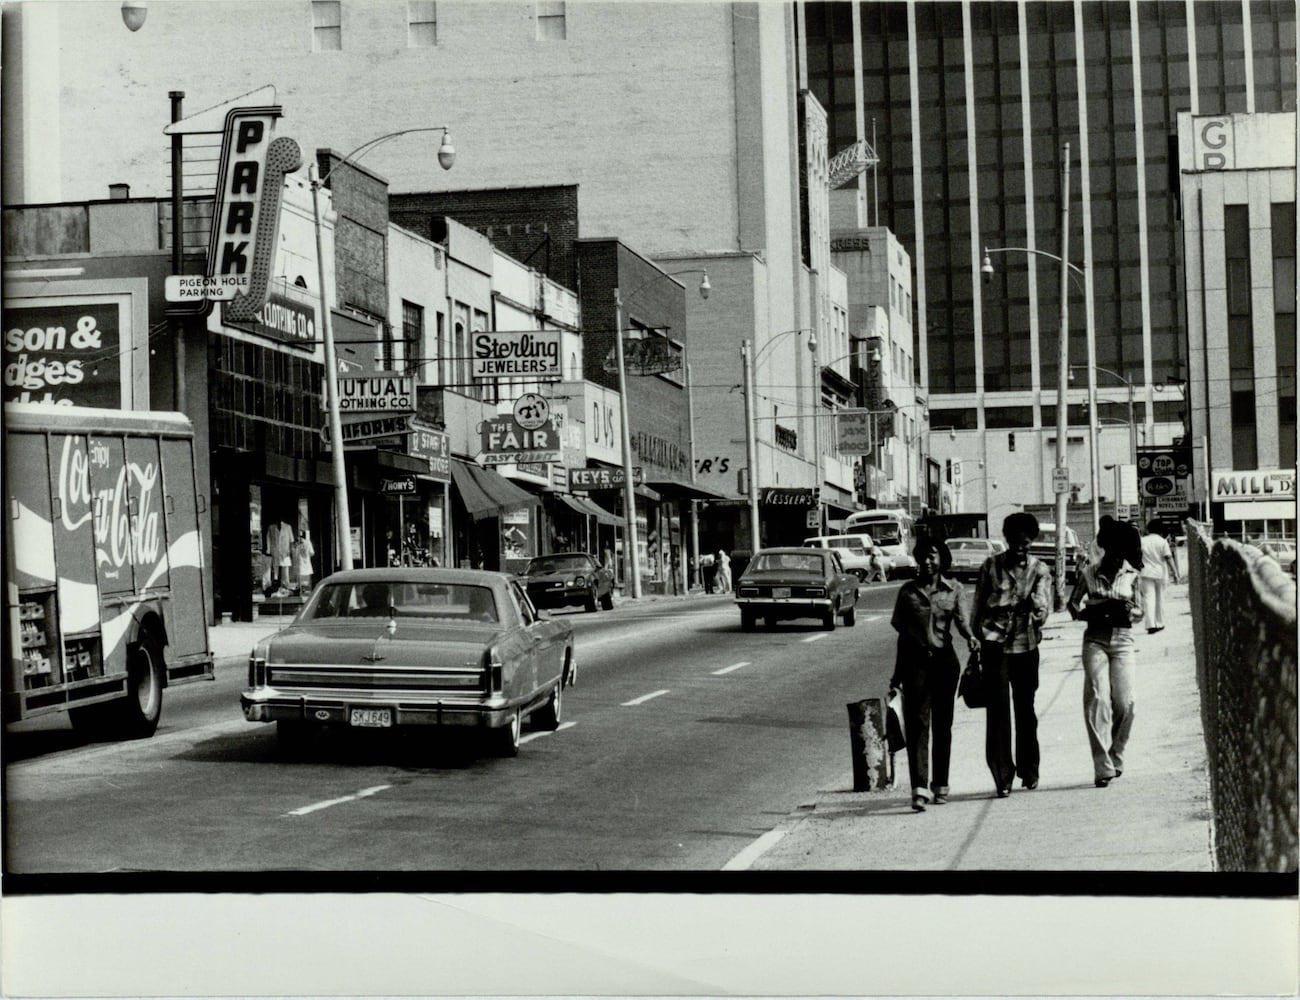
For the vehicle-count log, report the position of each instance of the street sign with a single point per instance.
(381, 392)
(1060, 480)
(197, 287)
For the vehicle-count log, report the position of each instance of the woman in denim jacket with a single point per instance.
(926, 669)
(1108, 597)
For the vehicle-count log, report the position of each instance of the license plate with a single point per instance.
(378, 717)
(780, 591)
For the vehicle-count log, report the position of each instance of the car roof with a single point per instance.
(801, 550)
(419, 574)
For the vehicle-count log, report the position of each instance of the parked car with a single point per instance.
(784, 583)
(969, 554)
(855, 551)
(565, 578)
(402, 646)
(1044, 547)
(1283, 551)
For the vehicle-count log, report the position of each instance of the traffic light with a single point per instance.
(1011, 442)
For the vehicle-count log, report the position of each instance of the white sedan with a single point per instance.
(969, 554)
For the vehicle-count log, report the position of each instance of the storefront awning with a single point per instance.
(590, 508)
(679, 489)
(485, 493)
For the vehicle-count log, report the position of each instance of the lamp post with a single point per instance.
(446, 157)
(633, 557)
(817, 436)
(1132, 423)
(1061, 476)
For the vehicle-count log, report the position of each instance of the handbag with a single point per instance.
(895, 734)
(971, 688)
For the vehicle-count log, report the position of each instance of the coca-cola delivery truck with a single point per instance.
(104, 588)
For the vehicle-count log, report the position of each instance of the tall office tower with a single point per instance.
(970, 107)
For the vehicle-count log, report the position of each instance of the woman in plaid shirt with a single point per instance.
(1012, 599)
(1108, 597)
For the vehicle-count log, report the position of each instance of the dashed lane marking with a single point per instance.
(644, 698)
(364, 793)
(814, 638)
(549, 732)
(734, 666)
(873, 618)
(754, 851)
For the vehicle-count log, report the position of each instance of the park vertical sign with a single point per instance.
(246, 211)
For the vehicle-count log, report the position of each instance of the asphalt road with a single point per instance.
(684, 741)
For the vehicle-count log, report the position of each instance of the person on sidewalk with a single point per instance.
(1012, 599)
(723, 581)
(1156, 557)
(1108, 598)
(926, 669)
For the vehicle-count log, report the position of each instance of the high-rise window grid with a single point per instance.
(1283, 230)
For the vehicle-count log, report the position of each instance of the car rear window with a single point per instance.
(403, 599)
(788, 561)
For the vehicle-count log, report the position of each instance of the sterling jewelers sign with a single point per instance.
(520, 354)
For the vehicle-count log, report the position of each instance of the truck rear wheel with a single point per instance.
(139, 712)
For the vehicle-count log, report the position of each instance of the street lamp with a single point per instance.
(749, 360)
(1061, 475)
(446, 157)
(629, 496)
(1132, 423)
(133, 13)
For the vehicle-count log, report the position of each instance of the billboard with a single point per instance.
(69, 354)
(531, 354)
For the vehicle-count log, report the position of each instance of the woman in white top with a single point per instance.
(1107, 596)
(1156, 556)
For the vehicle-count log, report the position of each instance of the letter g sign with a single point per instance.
(1214, 136)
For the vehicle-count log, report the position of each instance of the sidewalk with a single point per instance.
(1155, 818)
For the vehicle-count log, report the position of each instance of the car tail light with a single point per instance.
(816, 591)
(493, 668)
(748, 592)
(256, 671)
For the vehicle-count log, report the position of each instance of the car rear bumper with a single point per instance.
(559, 598)
(323, 707)
(813, 605)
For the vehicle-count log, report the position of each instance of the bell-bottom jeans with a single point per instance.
(929, 693)
(1011, 681)
(1108, 696)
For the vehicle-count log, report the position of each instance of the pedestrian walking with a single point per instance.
(710, 569)
(926, 670)
(1157, 557)
(1108, 598)
(1012, 599)
(723, 579)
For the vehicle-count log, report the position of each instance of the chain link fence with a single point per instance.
(1244, 621)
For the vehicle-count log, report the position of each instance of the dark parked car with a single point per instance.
(377, 648)
(784, 583)
(565, 578)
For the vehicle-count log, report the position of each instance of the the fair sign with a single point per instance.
(504, 442)
(380, 392)
(533, 354)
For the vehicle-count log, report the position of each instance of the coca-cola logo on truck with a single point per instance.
(68, 354)
(91, 490)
